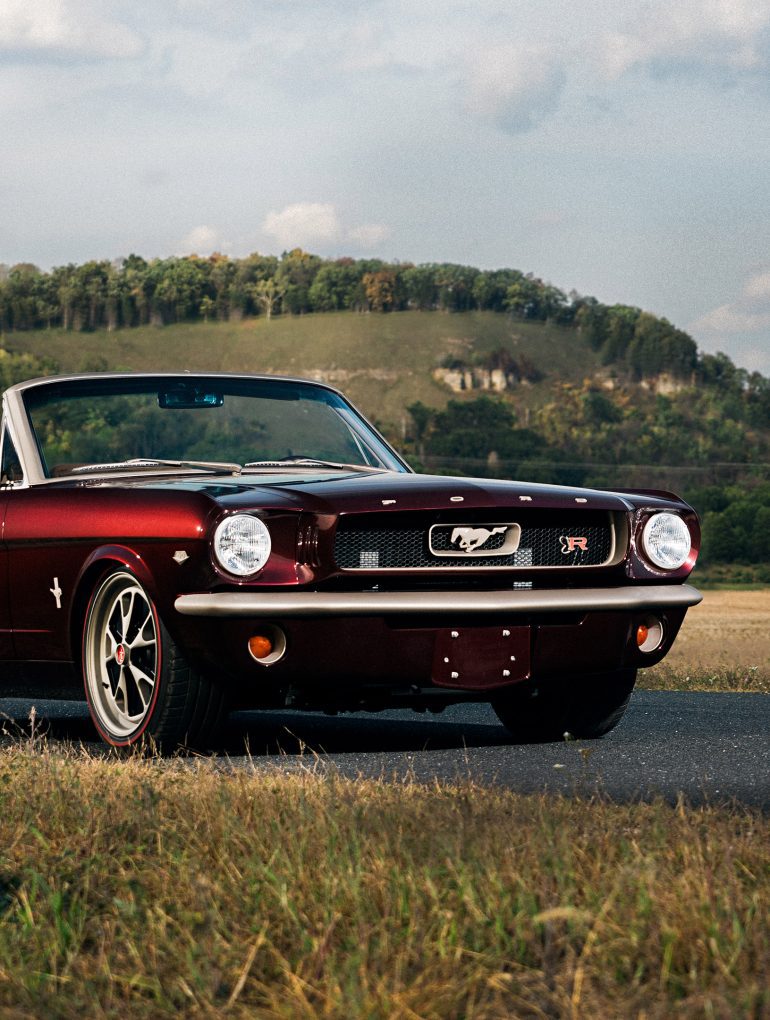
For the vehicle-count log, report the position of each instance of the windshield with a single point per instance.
(231, 421)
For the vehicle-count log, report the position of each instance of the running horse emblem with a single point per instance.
(470, 539)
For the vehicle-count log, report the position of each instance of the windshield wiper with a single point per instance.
(309, 462)
(140, 462)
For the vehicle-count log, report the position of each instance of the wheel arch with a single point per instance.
(101, 562)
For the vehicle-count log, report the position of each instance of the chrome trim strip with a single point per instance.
(18, 425)
(368, 603)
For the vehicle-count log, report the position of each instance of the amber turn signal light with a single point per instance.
(268, 646)
(260, 646)
(650, 634)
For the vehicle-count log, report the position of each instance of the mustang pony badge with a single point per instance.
(469, 539)
(473, 540)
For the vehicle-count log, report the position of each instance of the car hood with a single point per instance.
(357, 492)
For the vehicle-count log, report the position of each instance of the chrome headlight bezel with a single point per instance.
(666, 541)
(242, 545)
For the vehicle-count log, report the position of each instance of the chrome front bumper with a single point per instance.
(375, 603)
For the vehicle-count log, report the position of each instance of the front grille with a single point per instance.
(379, 542)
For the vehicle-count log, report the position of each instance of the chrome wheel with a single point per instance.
(122, 658)
(139, 686)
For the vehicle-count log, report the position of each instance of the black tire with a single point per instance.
(139, 688)
(583, 707)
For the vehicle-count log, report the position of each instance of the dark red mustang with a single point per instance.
(188, 543)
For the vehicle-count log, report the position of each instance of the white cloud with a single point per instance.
(305, 224)
(202, 240)
(740, 327)
(77, 28)
(728, 34)
(515, 86)
(729, 319)
(758, 287)
(369, 235)
(747, 315)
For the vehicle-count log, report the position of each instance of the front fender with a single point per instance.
(102, 559)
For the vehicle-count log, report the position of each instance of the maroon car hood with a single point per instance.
(358, 492)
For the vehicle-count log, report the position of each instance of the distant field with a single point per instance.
(383, 362)
(723, 645)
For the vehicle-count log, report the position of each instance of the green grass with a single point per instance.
(134, 891)
(382, 362)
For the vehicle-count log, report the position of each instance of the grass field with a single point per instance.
(136, 892)
(724, 644)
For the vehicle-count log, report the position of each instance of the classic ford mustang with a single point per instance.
(186, 543)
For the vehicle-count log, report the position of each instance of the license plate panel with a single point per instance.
(481, 658)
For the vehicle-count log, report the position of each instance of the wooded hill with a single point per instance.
(467, 371)
(135, 292)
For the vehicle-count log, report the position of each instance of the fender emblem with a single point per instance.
(56, 592)
(573, 543)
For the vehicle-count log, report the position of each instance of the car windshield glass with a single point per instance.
(105, 423)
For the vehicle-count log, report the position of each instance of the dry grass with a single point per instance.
(131, 891)
(724, 645)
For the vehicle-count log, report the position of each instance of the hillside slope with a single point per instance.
(383, 363)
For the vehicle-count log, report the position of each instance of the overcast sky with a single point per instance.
(618, 148)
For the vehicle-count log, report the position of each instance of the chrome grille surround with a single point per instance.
(407, 541)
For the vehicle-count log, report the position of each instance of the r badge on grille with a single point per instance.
(573, 543)
(449, 540)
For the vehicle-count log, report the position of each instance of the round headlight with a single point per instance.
(242, 544)
(666, 541)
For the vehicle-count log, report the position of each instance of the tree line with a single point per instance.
(134, 292)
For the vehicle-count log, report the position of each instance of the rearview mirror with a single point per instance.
(187, 397)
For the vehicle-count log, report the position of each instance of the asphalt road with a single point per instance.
(709, 747)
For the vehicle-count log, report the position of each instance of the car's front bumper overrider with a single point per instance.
(297, 604)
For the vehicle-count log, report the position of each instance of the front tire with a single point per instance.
(583, 707)
(138, 686)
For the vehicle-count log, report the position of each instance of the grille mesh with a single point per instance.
(394, 545)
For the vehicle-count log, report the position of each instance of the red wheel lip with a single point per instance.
(106, 737)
